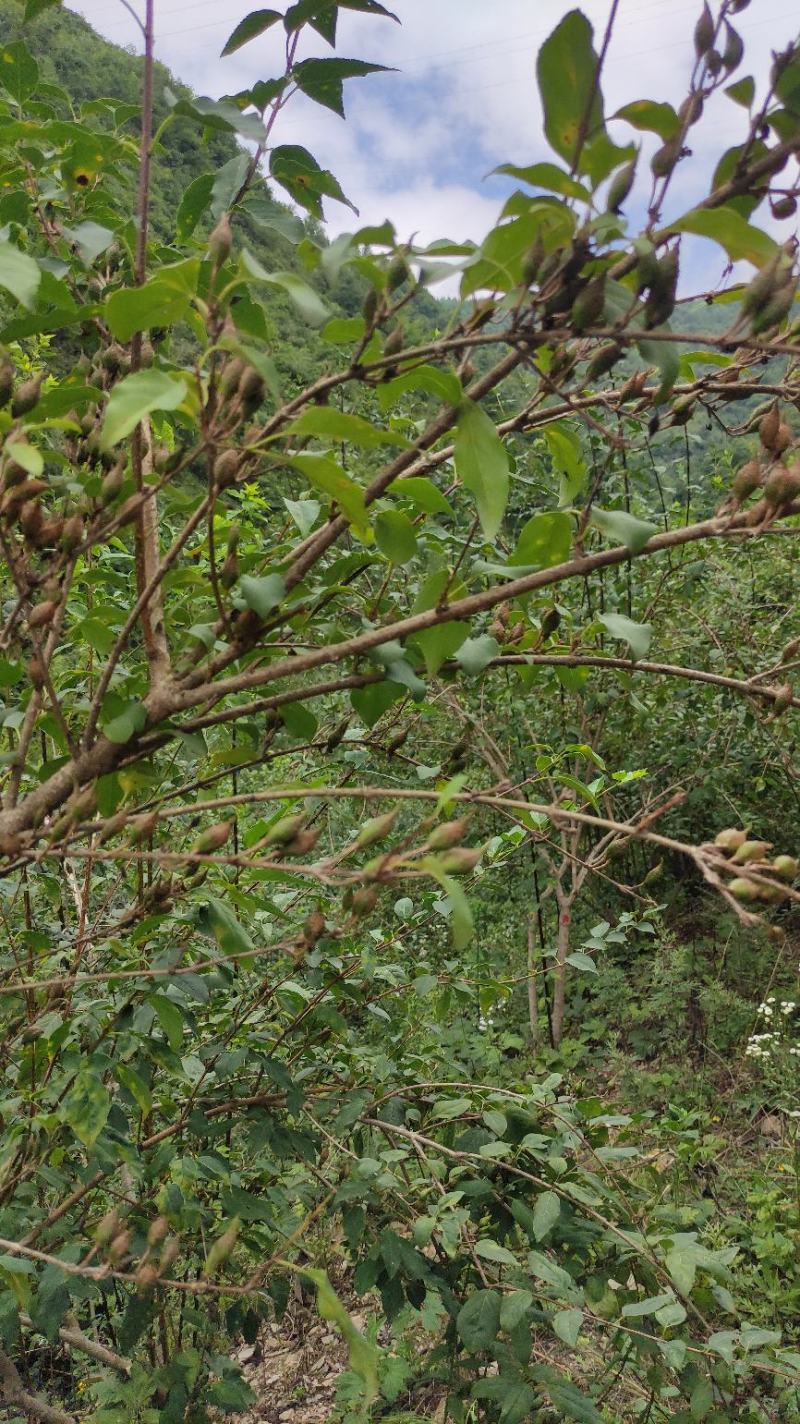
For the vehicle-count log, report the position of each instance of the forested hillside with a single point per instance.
(398, 784)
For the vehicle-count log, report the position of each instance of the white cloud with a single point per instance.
(417, 144)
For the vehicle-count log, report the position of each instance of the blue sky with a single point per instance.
(417, 144)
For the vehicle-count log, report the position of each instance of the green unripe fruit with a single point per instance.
(284, 830)
(751, 851)
(786, 866)
(213, 838)
(589, 304)
(220, 241)
(783, 207)
(370, 307)
(376, 829)
(394, 341)
(665, 158)
(744, 890)
(448, 834)
(398, 273)
(603, 360)
(112, 484)
(620, 186)
(730, 839)
(222, 1247)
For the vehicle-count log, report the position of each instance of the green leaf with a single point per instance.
(227, 184)
(218, 114)
(493, 1251)
(742, 92)
(395, 537)
(546, 175)
(478, 1320)
(136, 1086)
(326, 475)
(514, 1398)
(262, 594)
(192, 205)
(482, 465)
(514, 1309)
(134, 397)
(19, 72)
(215, 919)
(665, 356)
(567, 1325)
(87, 1106)
(322, 79)
(19, 274)
(299, 173)
(160, 302)
(120, 728)
(636, 635)
(476, 653)
(27, 456)
(682, 1267)
(462, 926)
(439, 644)
(566, 70)
(622, 527)
(308, 302)
(545, 540)
(572, 1403)
(545, 1214)
(444, 386)
(636, 1308)
(304, 512)
(583, 962)
(362, 1354)
(546, 1270)
(647, 115)
(423, 493)
(254, 24)
(567, 456)
(170, 1019)
(738, 238)
(344, 428)
(91, 239)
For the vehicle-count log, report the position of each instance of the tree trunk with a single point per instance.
(560, 990)
(533, 992)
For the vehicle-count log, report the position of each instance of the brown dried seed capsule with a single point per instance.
(251, 385)
(213, 838)
(231, 375)
(314, 927)
(394, 341)
(169, 1255)
(749, 478)
(41, 614)
(364, 899)
(14, 498)
(118, 1248)
(108, 1227)
(31, 518)
(226, 468)
(303, 843)
(72, 533)
(783, 207)
(158, 1230)
(783, 439)
(783, 699)
(704, 32)
(461, 859)
(399, 272)
(603, 360)
(448, 834)
(229, 572)
(36, 671)
(146, 1278)
(112, 483)
(26, 396)
(782, 485)
(768, 427)
(6, 382)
